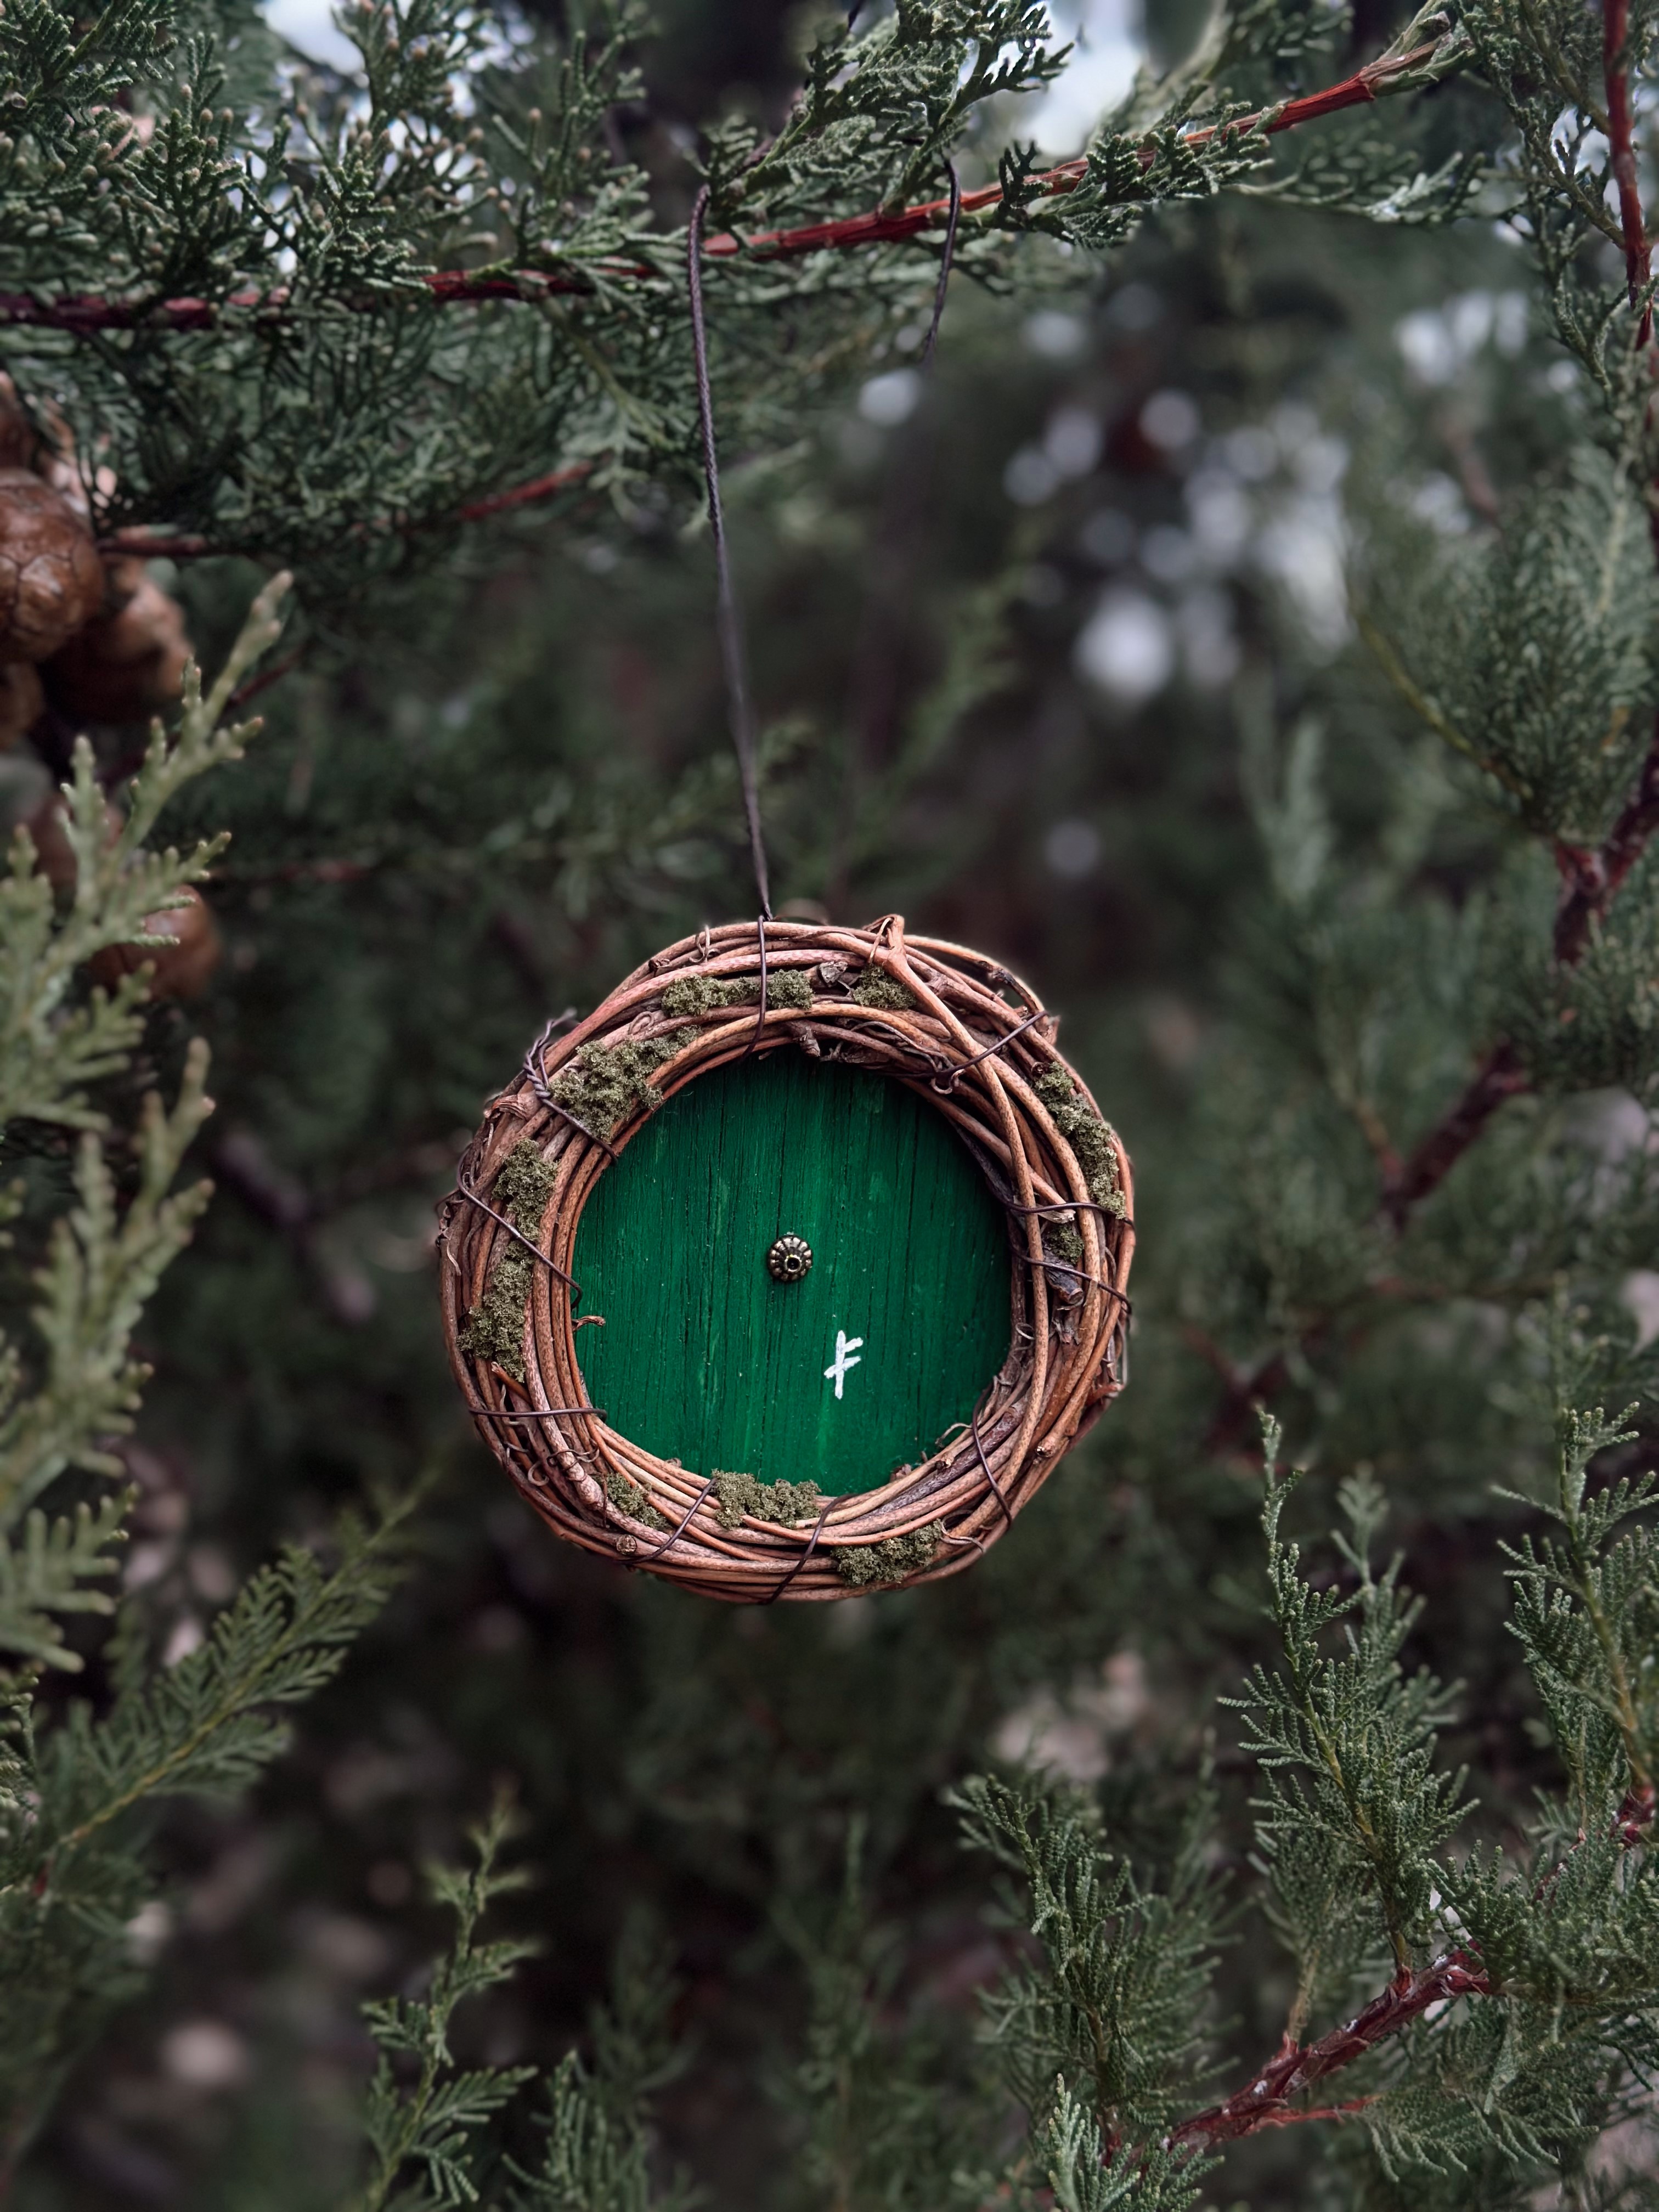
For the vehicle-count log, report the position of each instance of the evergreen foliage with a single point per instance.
(1358, 1938)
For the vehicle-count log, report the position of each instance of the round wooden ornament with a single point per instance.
(794, 1269)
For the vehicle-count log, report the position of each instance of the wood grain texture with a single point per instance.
(703, 1358)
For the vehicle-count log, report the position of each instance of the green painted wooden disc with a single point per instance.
(839, 1378)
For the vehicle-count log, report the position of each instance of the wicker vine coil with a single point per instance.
(966, 1037)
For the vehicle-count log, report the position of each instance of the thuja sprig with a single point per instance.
(72, 1794)
(1587, 1616)
(429, 2124)
(106, 1254)
(50, 1048)
(1558, 1959)
(1344, 1743)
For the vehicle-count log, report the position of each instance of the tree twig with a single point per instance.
(147, 547)
(1591, 879)
(85, 313)
(1621, 156)
(1266, 2102)
(1500, 1076)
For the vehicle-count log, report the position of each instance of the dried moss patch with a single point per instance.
(787, 1502)
(1088, 1135)
(1062, 1239)
(878, 990)
(523, 1185)
(866, 1566)
(606, 1083)
(495, 1327)
(627, 1498)
(709, 994)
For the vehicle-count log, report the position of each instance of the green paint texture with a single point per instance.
(705, 1359)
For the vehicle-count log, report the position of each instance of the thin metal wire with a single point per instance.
(730, 615)
(534, 1249)
(948, 1087)
(811, 1547)
(985, 1465)
(1071, 1206)
(535, 1060)
(675, 1535)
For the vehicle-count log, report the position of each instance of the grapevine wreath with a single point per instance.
(959, 1032)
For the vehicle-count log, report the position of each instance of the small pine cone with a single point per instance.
(45, 446)
(183, 969)
(51, 580)
(22, 702)
(20, 441)
(130, 660)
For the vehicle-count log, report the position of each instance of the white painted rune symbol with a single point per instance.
(847, 1349)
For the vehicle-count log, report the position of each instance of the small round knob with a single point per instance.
(789, 1258)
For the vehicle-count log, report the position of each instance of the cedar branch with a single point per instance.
(1621, 154)
(86, 313)
(1266, 2103)
(1591, 879)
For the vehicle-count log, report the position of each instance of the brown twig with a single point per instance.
(1266, 2102)
(85, 313)
(1621, 151)
(1591, 879)
(1500, 1076)
(147, 546)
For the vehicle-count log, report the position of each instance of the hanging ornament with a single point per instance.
(793, 1271)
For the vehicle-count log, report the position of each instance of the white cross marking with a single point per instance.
(847, 1349)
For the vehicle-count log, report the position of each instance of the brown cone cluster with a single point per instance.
(51, 580)
(129, 659)
(97, 641)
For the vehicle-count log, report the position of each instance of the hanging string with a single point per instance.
(946, 259)
(730, 619)
(730, 616)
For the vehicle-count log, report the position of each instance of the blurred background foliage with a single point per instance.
(1056, 655)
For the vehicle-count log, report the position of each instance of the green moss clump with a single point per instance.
(523, 1185)
(869, 1566)
(768, 1501)
(790, 987)
(707, 994)
(627, 1498)
(605, 1083)
(495, 1327)
(1063, 1239)
(873, 988)
(1088, 1135)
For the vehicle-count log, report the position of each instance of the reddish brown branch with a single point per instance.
(1266, 2103)
(84, 312)
(1621, 147)
(1500, 1076)
(538, 488)
(149, 547)
(1590, 880)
